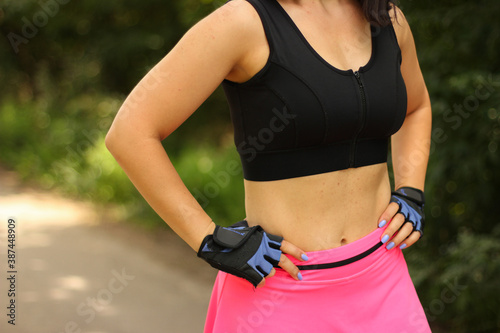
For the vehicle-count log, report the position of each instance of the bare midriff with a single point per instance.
(323, 211)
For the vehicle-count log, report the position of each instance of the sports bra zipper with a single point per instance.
(362, 120)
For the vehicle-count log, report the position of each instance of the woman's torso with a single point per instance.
(321, 211)
(329, 209)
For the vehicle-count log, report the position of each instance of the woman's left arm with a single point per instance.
(411, 144)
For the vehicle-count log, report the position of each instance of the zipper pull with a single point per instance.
(358, 78)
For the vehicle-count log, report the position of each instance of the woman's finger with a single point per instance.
(394, 225)
(388, 214)
(287, 264)
(290, 267)
(271, 274)
(412, 239)
(263, 282)
(401, 236)
(294, 251)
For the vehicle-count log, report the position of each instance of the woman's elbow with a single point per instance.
(125, 136)
(112, 139)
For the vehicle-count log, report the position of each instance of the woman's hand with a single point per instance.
(406, 216)
(249, 252)
(286, 263)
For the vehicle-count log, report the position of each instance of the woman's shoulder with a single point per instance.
(401, 26)
(234, 20)
(231, 25)
(240, 12)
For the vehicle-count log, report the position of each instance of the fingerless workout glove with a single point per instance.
(411, 205)
(247, 252)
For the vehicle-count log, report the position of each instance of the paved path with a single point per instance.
(80, 272)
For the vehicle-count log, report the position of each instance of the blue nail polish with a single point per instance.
(390, 245)
(304, 257)
(299, 276)
(382, 223)
(385, 238)
(402, 246)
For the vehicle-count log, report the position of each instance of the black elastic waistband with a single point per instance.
(341, 262)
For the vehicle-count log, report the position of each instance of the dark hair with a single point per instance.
(377, 11)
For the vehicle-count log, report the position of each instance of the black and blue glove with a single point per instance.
(411, 205)
(247, 252)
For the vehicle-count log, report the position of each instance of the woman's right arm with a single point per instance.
(209, 52)
(220, 46)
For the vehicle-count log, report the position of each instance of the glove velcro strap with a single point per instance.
(233, 238)
(410, 193)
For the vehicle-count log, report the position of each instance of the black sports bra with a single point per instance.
(301, 116)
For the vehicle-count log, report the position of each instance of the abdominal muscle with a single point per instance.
(321, 211)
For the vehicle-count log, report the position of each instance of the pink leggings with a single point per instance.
(373, 294)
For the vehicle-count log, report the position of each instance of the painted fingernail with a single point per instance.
(304, 257)
(402, 246)
(382, 223)
(385, 239)
(390, 245)
(299, 276)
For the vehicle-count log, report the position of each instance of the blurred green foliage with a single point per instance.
(66, 66)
